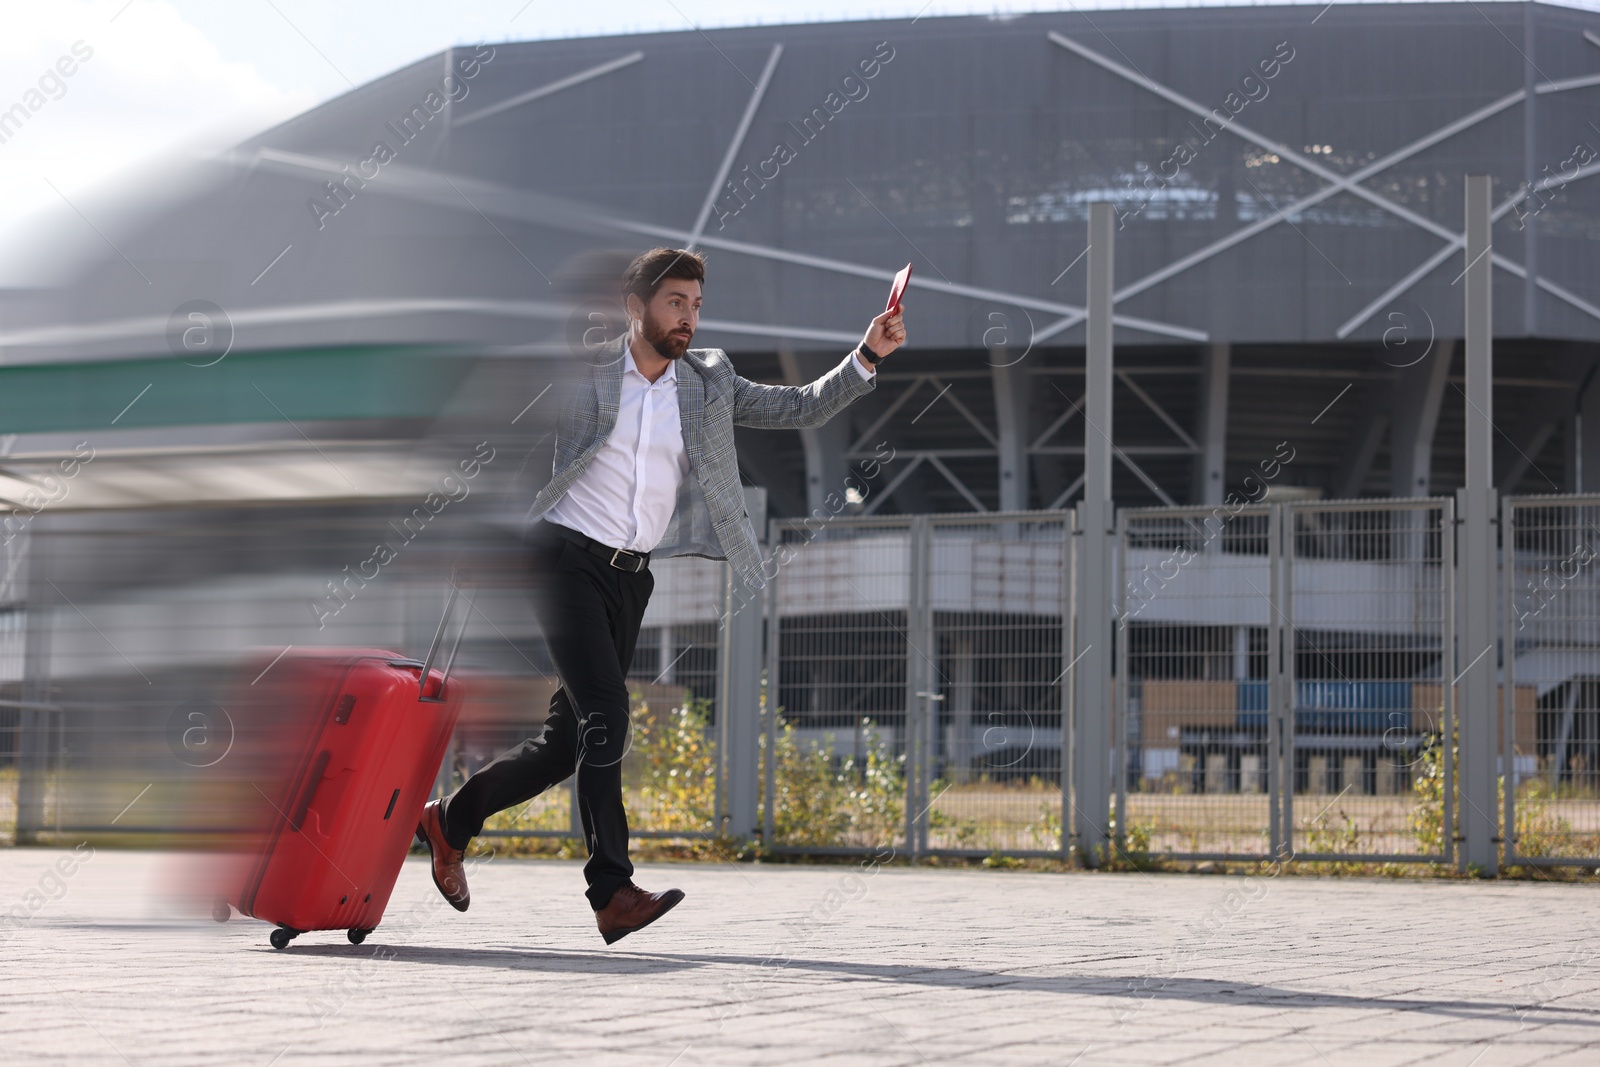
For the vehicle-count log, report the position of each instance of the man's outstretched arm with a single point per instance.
(783, 407)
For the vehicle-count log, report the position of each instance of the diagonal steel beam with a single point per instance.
(894, 483)
(1361, 444)
(1065, 494)
(554, 87)
(502, 201)
(1345, 183)
(1455, 245)
(1531, 443)
(966, 413)
(1061, 420)
(888, 413)
(1149, 482)
(961, 487)
(734, 146)
(973, 292)
(1161, 413)
(1337, 182)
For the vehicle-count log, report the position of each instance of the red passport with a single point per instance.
(898, 290)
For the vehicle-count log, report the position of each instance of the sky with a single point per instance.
(185, 76)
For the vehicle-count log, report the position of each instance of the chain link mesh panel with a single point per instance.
(1550, 748)
(1369, 659)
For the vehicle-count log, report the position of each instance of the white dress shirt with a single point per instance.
(626, 497)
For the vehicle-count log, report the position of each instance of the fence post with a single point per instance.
(1122, 746)
(769, 706)
(1069, 641)
(1092, 710)
(33, 746)
(739, 695)
(920, 670)
(1478, 748)
(1447, 651)
(1280, 699)
(1508, 683)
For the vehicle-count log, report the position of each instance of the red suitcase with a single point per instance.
(347, 807)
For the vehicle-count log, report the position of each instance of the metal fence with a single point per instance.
(1195, 622)
(1282, 674)
(844, 683)
(1284, 677)
(132, 639)
(1550, 740)
(917, 667)
(138, 651)
(1369, 655)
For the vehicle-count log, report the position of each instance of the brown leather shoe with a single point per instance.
(448, 874)
(631, 908)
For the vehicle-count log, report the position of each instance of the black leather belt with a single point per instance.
(620, 558)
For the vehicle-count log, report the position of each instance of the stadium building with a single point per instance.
(1289, 250)
(1288, 183)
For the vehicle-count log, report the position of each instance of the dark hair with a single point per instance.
(646, 273)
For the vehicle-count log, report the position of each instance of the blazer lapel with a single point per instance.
(691, 408)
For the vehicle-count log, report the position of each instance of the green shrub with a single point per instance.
(671, 769)
(1427, 786)
(858, 803)
(1539, 832)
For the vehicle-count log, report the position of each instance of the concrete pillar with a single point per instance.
(825, 445)
(1362, 442)
(1011, 413)
(1092, 695)
(1210, 472)
(667, 653)
(1475, 652)
(1418, 396)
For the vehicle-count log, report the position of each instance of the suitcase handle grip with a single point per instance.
(419, 666)
(438, 640)
(313, 780)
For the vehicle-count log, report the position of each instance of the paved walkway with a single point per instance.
(836, 965)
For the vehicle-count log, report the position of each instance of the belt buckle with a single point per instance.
(619, 552)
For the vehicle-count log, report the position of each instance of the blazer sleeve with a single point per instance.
(788, 407)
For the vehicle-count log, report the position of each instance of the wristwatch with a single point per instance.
(868, 354)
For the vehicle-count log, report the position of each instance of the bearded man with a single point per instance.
(644, 468)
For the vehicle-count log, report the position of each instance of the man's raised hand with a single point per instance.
(887, 333)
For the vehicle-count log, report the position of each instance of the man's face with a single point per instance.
(668, 322)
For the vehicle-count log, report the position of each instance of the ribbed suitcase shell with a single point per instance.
(345, 815)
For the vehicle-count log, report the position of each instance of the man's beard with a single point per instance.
(664, 339)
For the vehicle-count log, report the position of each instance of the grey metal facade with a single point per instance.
(1288, 184)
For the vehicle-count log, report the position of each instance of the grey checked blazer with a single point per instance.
(710, 518)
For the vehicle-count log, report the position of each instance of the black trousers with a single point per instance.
(590, 613)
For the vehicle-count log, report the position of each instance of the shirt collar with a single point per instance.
(669, 375)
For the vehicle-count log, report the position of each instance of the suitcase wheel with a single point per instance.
(282, 936)
(358, 935)
(220, 910)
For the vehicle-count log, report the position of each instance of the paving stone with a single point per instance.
(923, 966)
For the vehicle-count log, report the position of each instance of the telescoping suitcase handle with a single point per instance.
(438, 640)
